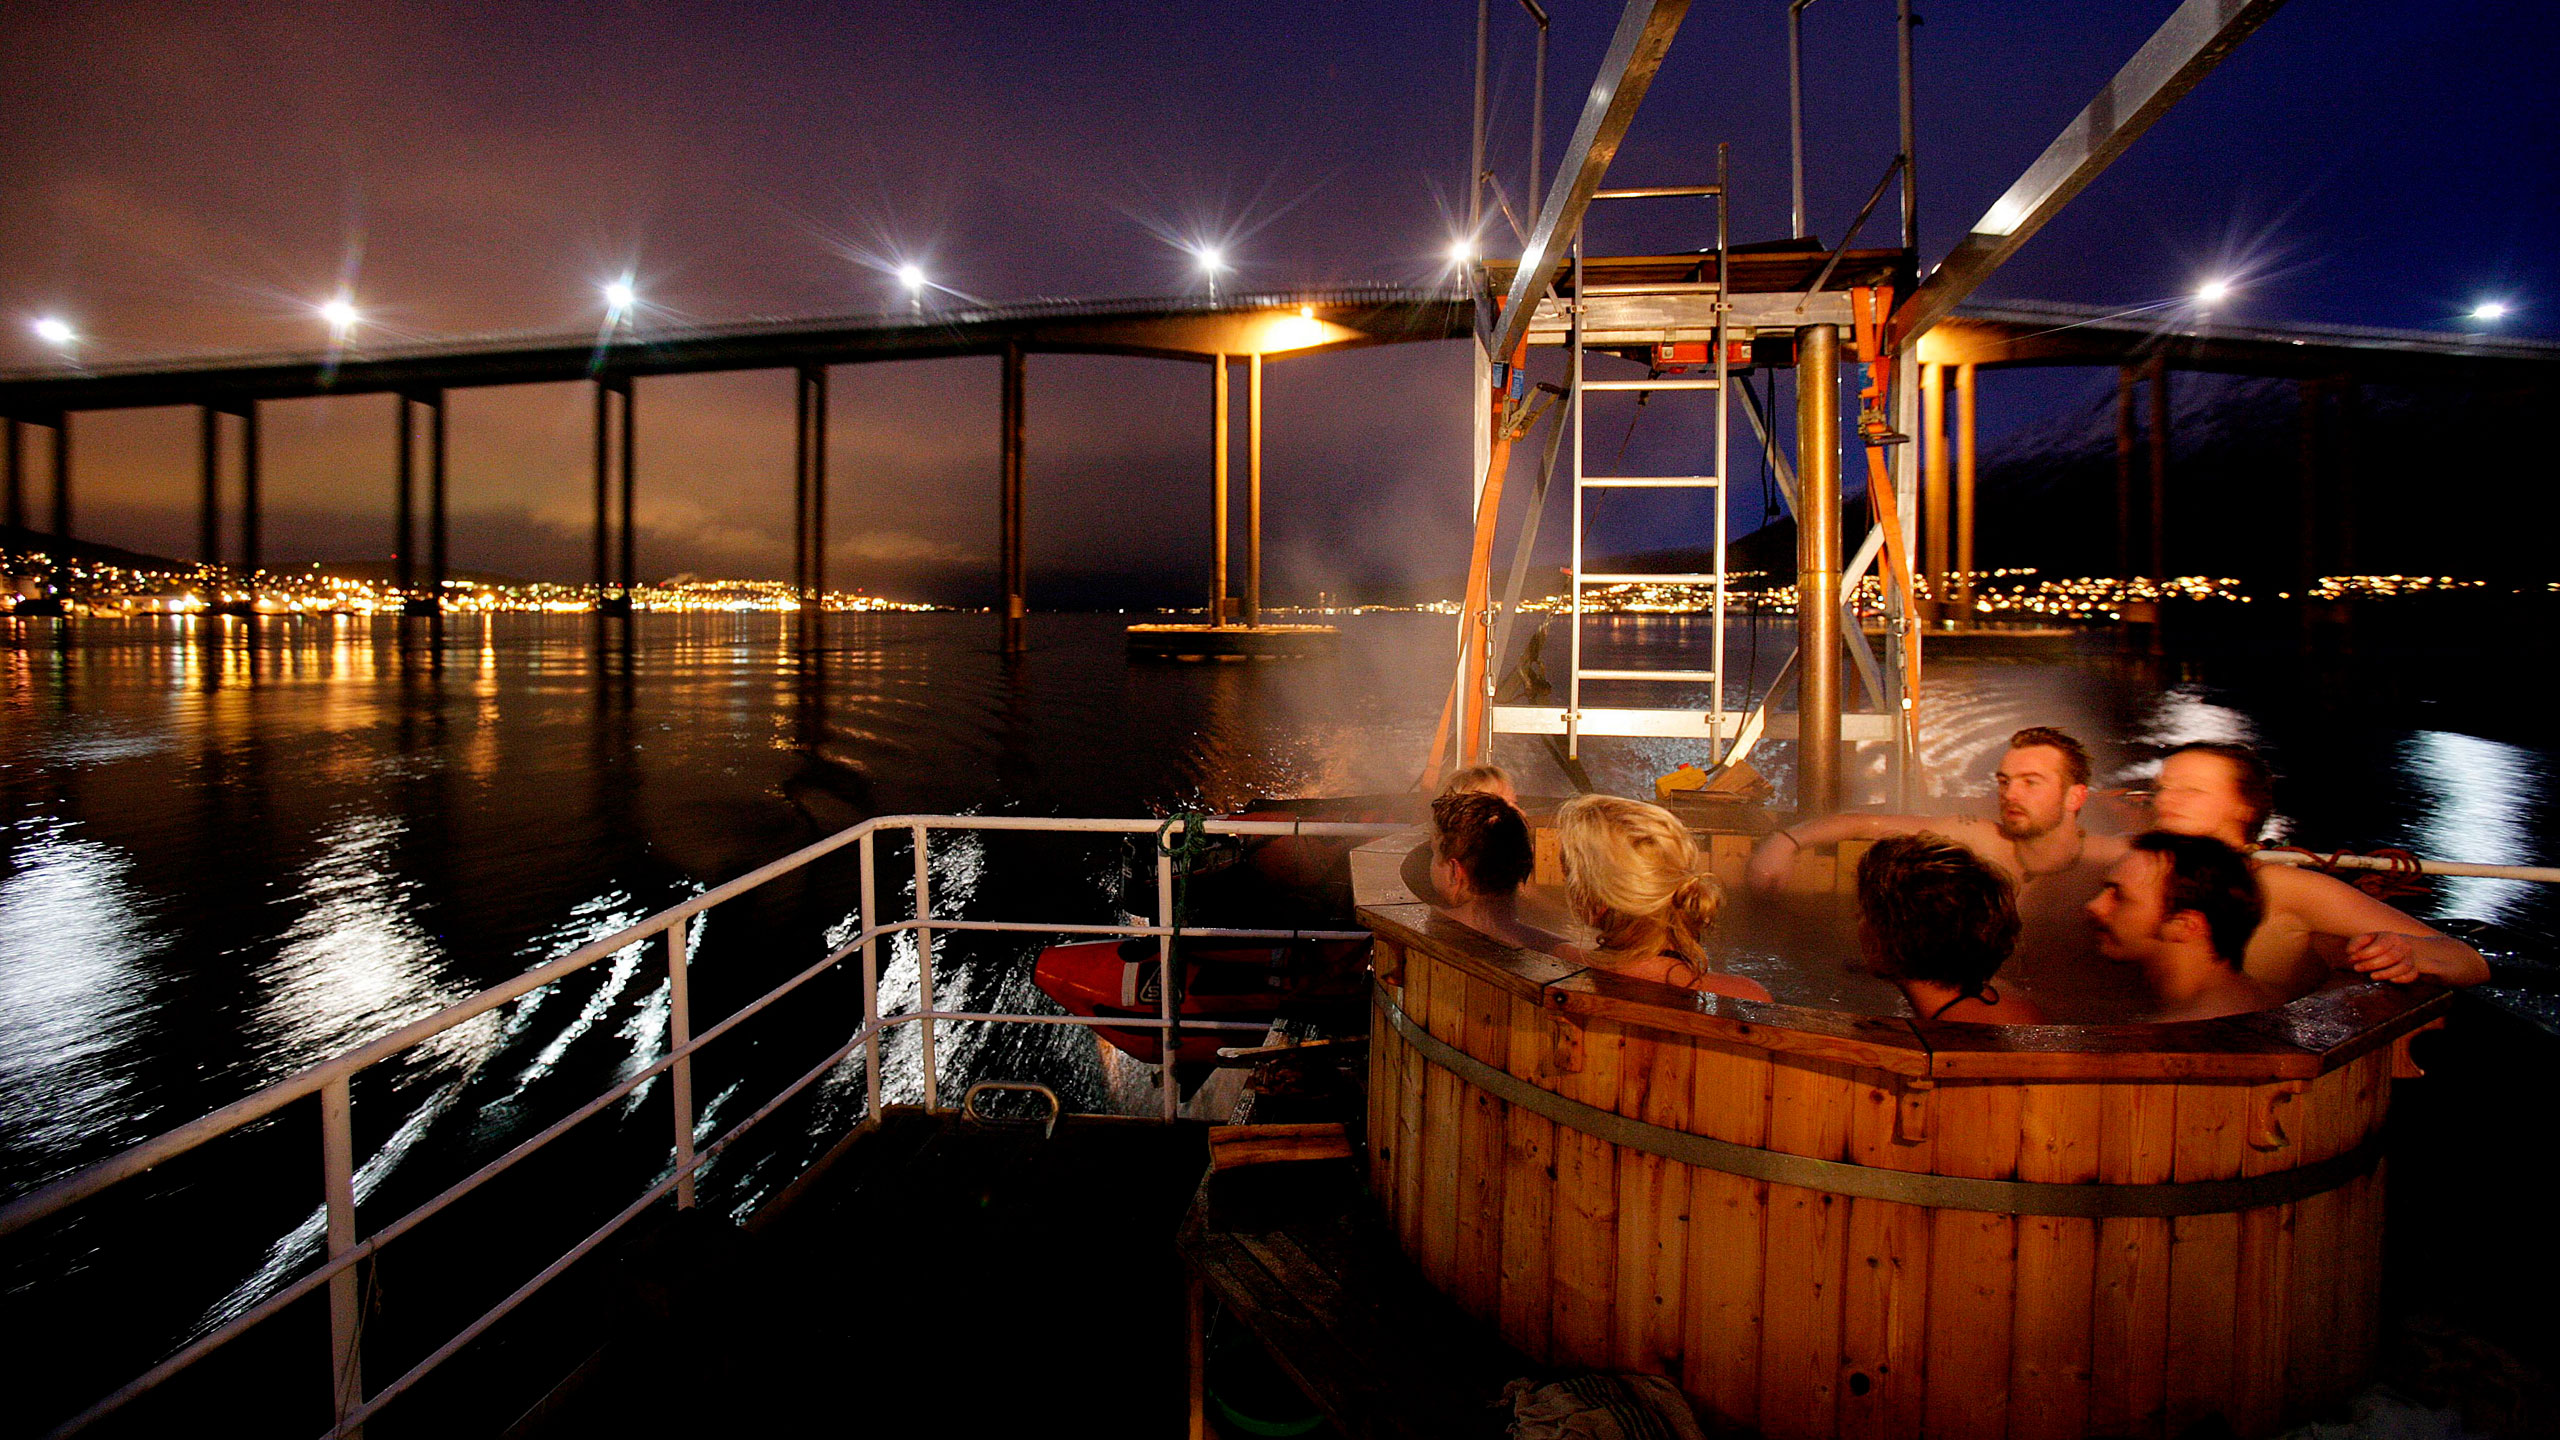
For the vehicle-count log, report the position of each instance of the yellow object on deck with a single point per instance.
(1687, 777)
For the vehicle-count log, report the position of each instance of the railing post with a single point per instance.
(924, 959)
(867, 916)
(1164, 979)
(346, 1298)
(680, 1074)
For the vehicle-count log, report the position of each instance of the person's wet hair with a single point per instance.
(2250, 776)
(1628, 865)
(1486, 839)
(2075, 756)
(2213, 880)
(1933, 910)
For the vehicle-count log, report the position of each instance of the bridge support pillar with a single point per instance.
(809, 488)
(404, 528)
(62, 477)
(1014, 604)
(1253, 491)
(1219, 603)
(2159, 467)
(436, 547)
(251, 503)
(2124, 473)
(1965, 454)
(607, 389)
(13, 481)
(1933, 487)
(1818, 640)
(209, 485)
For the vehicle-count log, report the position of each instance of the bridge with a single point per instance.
(228, 390)
(2330, 361)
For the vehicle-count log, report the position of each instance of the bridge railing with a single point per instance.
(331, 1080)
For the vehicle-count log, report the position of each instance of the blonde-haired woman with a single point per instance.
(1635, 875)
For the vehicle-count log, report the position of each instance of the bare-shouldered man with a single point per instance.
(2314, 924)
(2034, 839)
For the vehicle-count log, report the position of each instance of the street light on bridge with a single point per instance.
(619, 298)
(2489, 312)
(53, 330)
(341, 314)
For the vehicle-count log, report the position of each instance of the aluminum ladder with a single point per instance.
(1574, 721)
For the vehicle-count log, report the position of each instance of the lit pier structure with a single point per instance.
(1219, 331)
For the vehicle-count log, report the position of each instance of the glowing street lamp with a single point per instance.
(912, 276)
(2489, 312)
(55, 331)
(619, 297)
(2213, 292)
(341, 314)
(1462, 252)
(1212, 260)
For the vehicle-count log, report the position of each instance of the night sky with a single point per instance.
(195, 178)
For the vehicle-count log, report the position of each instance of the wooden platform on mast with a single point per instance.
(1220, 642)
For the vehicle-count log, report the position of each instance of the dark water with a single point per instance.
(228, 852)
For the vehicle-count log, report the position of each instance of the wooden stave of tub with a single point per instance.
(1803, 1314)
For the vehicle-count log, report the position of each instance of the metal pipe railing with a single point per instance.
(671, 928)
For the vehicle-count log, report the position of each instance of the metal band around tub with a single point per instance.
(1907, 1187)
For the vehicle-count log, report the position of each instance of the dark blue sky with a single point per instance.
(194, 177)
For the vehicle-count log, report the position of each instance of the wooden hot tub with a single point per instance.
(1827, 1224)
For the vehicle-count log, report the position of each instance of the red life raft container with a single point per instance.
(1221, 980)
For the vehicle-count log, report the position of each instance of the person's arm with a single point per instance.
(2381, 942)
(1774, 858)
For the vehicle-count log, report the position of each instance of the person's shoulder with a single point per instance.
(2280, 883)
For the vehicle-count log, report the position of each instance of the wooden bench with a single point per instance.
(1298, 1254)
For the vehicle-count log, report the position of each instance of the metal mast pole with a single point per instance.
(1910, 185)
(1475, 148)
(1724, 419)
(1818, 570)
(1795, 105)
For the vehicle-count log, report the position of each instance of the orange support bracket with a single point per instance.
(1867, 308)
(1462, 714)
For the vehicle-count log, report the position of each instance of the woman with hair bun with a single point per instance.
(1635, 875)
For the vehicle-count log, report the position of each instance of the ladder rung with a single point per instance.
(1658, 287)
(1650, 482)
(1664, 384)
(1701, 677)
(1648, 579)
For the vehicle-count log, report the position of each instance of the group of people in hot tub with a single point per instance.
(2020, 918)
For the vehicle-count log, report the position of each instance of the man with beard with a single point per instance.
(2035, 840)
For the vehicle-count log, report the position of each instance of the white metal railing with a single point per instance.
(331, 1080)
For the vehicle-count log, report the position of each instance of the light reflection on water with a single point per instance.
(66, 1061)
(2476, 800)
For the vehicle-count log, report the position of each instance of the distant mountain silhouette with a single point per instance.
(16, 540)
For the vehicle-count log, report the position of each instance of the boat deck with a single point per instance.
(980, 1277)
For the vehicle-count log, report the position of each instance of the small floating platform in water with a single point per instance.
(1221, 642)
(2003, 642)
